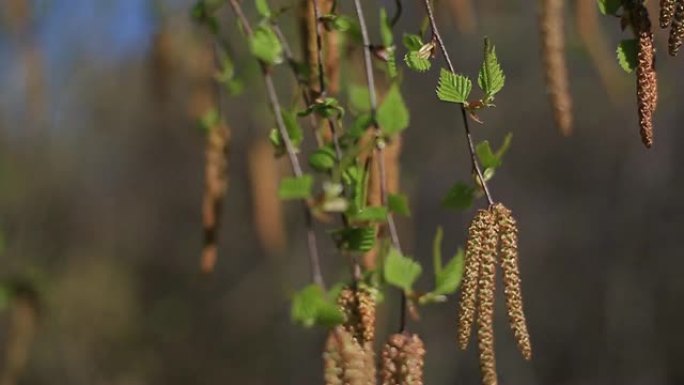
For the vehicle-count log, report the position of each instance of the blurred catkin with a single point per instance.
(358, 307)
(553, 56)
(667, 8)
(508, 231)
(345, 361)
(473, 256)
(485, 308)
(215, 185)
(402, 360)
(647, 87)
(677, 30)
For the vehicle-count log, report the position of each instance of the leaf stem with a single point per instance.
(314, 258)
(469, 138)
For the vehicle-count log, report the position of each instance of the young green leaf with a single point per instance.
(459, 197)
(412, 42)
(401, 271)
(627, 55)
(295, 188)
(448, 279)
(504, 146)
(609, 7)
(210, 120)
(437, 250)
(370, 214)
(487, 157)
(393, 115)
(453, 88)
(312, 306)
(322, 159)
(491, 77)
(417, 62)
(264, 44)
(357, 239)
(263, 9)
(359, 98)
(398, 204)
(385, 29)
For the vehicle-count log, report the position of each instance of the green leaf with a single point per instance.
(360, 125)
(459, 197)
(504, 146)
(491, 77)
(398, 203)
(263, 9)
(385, 29)
(448, 279)
(412, 42)
(295, 188)
(487, 157)
(401, 271)
(322, 159)
(415, 61)
(326, 108)
(452, 87)
(357, 239)
(210, 120)
(312, 306)
(359, 97)
(627, 55)
(392, 63)
(609, 7)
(294, 130)
(264, 44)
(370, 214)
(393, 115)
(437, 250)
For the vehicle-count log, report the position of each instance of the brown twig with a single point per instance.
(380, 144)
(314, 259)
(469, 138)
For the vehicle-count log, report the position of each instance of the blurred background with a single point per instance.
(101, 181)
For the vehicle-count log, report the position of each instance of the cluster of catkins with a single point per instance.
(349, 358)
(672, 16)
(492, 236)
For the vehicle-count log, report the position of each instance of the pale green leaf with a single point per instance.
(417, 62)
(323, 159)
(263, 9)
(370, 214)
(491, 77)
(609, 7)
(448, 279)
(264, 44)
(312, 306)
(393, 115)
(437, 250)
(295, 188)
(385, 29)
(412, 42)
(359, 97)
(398, 203)
(452, 87)
(401, 271)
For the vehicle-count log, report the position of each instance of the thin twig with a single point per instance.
(380, 146)
(469, 138)
(316, 275)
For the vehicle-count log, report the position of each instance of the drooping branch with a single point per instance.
(469, 138)
(314, 259)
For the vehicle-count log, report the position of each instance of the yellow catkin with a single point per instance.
(358, 307)
(485, 308)
(345, 361)
(215, 185)
(508, 231)
(555, 70)
(677, 30)
(468, 301)
(402, 360)
(647, 86)
(667, 8)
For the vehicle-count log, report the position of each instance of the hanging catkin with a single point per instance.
(485, 308)
(473, 255)
(345, 360)
(667, 8)
(402, 360)
(508, 231)
(358, 307)
(555, 70)
(677, 30)
(647, 91)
